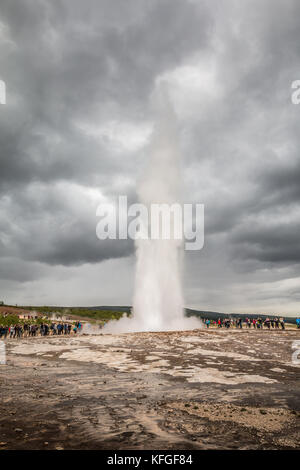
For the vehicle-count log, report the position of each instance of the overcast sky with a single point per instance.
(73, 132)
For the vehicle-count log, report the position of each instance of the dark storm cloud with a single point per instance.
(272, 242)
(282, 182)
(79, 76)
(249, 148)
(56, 226)
(18, 270)
(67, 62)
(71, 62)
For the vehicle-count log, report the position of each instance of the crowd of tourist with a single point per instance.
(257, 323)
(25, 330)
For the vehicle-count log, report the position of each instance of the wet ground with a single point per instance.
(200, 389)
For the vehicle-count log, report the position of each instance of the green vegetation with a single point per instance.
(96, 314)
(82, 312)
(12, 319)
(9, 320)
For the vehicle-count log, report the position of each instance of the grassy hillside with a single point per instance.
(91, 313)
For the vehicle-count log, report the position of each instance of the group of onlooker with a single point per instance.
(44, 329)
(257, 323)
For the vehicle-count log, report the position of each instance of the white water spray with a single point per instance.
(158, 300)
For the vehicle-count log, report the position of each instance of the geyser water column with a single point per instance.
(158, 298)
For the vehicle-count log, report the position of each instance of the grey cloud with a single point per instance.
(49, 229)
(272, 242)
(73, 62)
(19, 271)
(282, 182)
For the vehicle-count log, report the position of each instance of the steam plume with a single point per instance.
(158, 298)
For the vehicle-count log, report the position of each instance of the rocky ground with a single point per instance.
(202, 389)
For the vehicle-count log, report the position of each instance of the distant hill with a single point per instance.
(115, 308)
(215, 315)
(107, 312)
(194, 313)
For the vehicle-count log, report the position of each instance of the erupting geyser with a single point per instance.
(158, 300)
